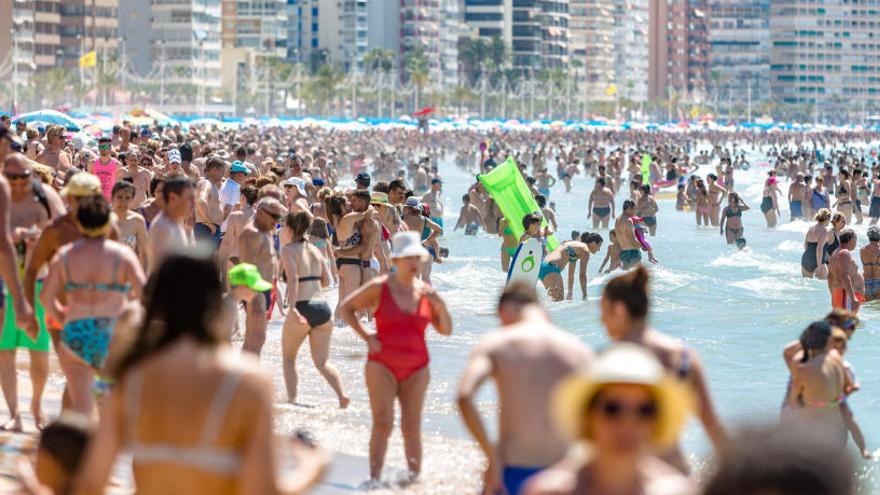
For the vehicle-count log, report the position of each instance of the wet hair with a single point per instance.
(93, 215)
(874, 233)
(519, 293)
(122, 185)
(631, 289)
(215, 162)
(298, 223)
(575, 235)
(66, 440)
(541, 200)
(646, 189)
(814, 337)
(529, 219)
(735, 197)
(847, 235)
(628, 204)
(591, 237)
(183, 298)
(176, 184)
(466, 199)
(783, 460)
(361, 195)
(396, 184)
(250, 194)
(822, 215)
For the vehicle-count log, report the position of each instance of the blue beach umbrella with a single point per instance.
(48, 117)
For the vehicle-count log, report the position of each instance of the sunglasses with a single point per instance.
(103, 146)
(273, 216)
(22, 176)
(615, 410)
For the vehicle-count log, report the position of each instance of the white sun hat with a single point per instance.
(406, 244)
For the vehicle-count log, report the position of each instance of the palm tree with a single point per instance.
(53, 86)
(321, 88)
(415, 64)
(472, 56)
(379, 60)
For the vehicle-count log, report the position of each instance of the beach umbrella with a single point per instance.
(424, 111)
(47, 116)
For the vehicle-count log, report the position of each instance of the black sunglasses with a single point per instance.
(613, 409)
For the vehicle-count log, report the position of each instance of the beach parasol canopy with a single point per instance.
(424, 111)
(47, 116)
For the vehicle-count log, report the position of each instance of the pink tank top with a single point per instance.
(106, 174)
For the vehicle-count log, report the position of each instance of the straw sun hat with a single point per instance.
(624, 364)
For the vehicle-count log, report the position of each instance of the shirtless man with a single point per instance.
(138, 176)
(716, 196)
(132, 226)
(168, 232)
(601, 205)
(236, 222)
(54, 155)
(33, 205)
(630, 247)
(434, 200)
(209, 210)
(844, 280)
(358, 233)
(469, 217)
(428, 230)
(796, 192)
(526, 358)
(257, 247)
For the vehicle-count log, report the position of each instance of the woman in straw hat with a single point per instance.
(397, 365)
(625, 407)
(624, 309)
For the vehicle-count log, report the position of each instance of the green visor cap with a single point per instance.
(249, 276)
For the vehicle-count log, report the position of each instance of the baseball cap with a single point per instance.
(362, 177)
(249, 276)
(271, 205)
(413, 202)
(237, 166)
(174, 156)
(82, 184)
(436, 180)
(297, 183)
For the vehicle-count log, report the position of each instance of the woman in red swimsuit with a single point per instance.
(397, 365)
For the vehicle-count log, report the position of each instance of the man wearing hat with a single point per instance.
(527, 358)
(362, 181)
(434, 200)
(105, 167)
(295, 192)
(230, 193)
(257, 246)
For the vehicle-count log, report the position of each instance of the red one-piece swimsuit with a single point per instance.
(402, 336)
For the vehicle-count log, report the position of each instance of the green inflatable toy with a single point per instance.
(510, 192)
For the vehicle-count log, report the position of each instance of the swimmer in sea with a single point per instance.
(601, 205)
(870, 255)
(647, 209)
(509, 244)
(844, 280)
(548, 213)
(732, 216)
(681, 199)
(795, 197)
(631, 238)
(769, 202)
(612, 256)
(469, 217)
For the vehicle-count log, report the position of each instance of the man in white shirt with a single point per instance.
(230, 193)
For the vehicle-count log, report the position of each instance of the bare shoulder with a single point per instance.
(560, 479)
(663, 479)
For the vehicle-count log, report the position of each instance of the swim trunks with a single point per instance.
(630, 258)
(650, 221)
(544, 191)
(840, 300)
(438, 221)
(875, 207)
(601, 212)
(872, 288)
(514, 477)
(796, 208)
(14, 337)
(471, 229)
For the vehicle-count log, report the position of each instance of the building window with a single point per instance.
(483, 16)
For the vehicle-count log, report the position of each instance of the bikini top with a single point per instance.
(115, 286)
(731, 213)
(205, 455)
(572, 254)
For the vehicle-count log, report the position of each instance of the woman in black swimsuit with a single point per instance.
(731, 220)
(309, 316)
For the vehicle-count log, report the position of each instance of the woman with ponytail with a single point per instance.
(625, 304)
(97, 277)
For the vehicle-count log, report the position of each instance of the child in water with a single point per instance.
(681, 199)
(612, 256)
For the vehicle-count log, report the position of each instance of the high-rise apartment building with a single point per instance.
(451, 29)
(679, 49)
(17, 40)
(631, 45)
(88, 25)
(827, 50)
(739, 57)
(136, 35)
(186, 41)
(258, 25)
(536, 32)
(48, 50)
(591, 45)
(420, 29)
(353, 35)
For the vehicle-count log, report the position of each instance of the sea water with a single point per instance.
(737, 309)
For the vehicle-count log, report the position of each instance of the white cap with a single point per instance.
(406, 244)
